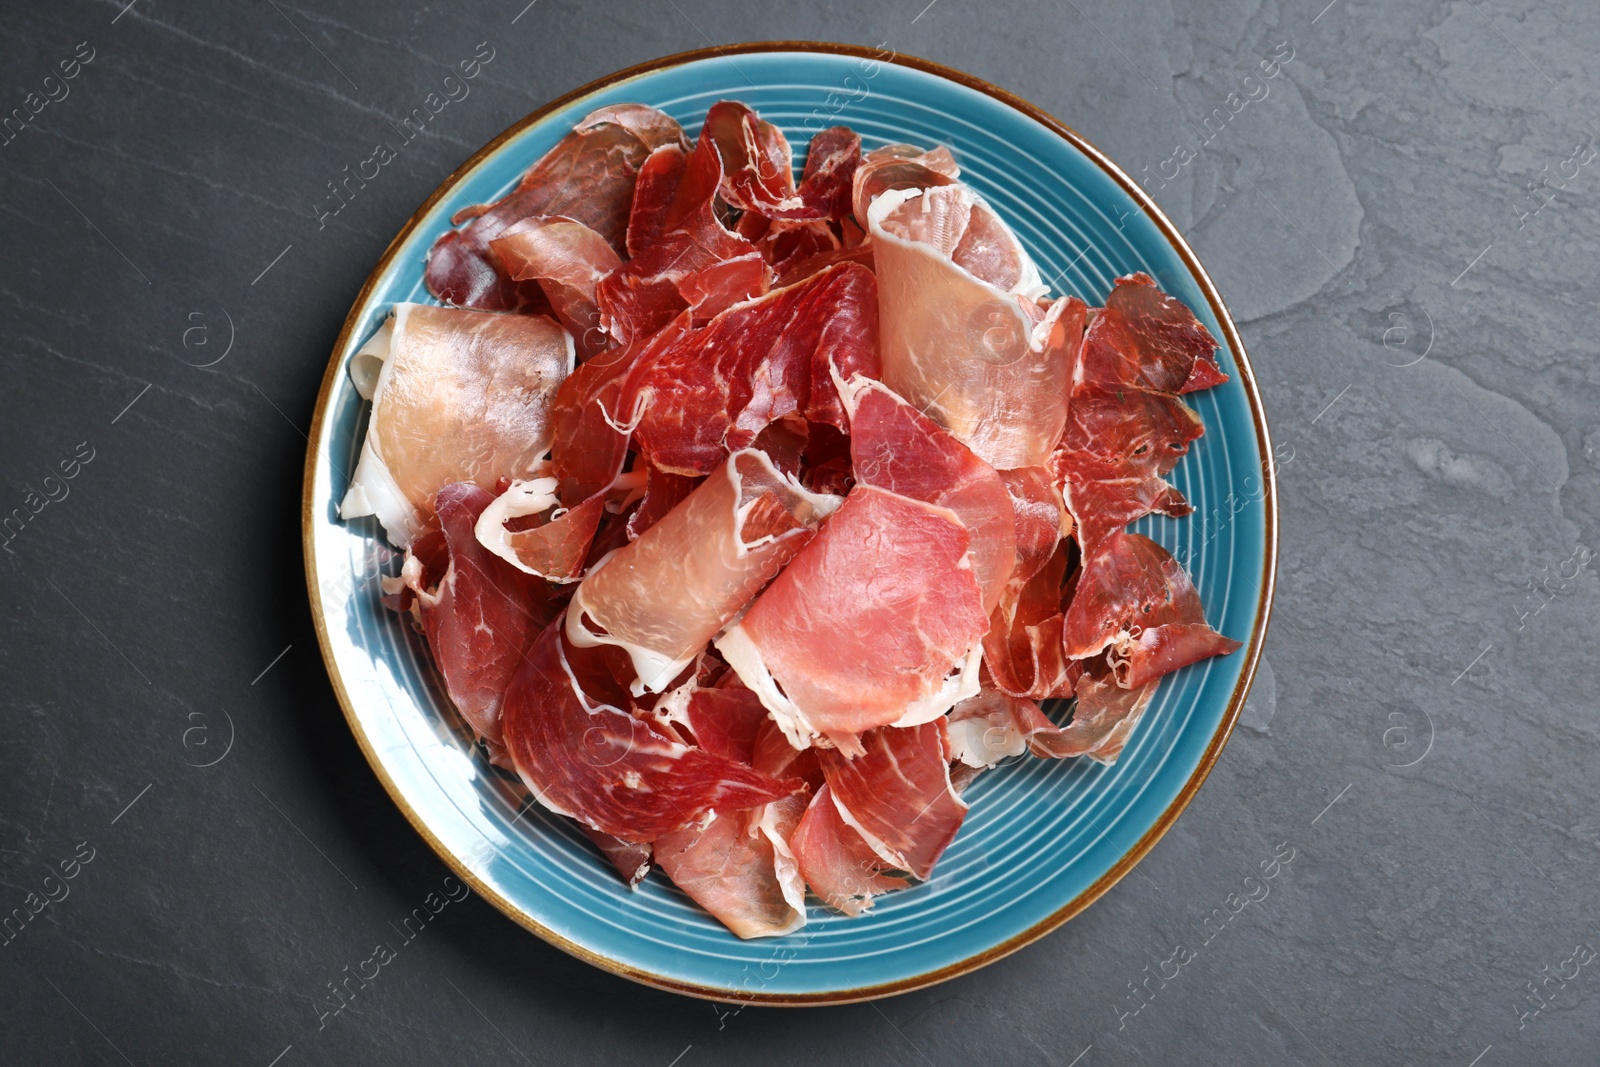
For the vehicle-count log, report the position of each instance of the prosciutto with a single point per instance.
(479, 615)
(457, 396)
(588, 176)
(583, 756)
(896, 793)
(1126, 428)
(718, 387)
(666, 594)
(1136, 603)
(976, 356)
(567, 259)
(895, 447)
(836, 861)
(751, 516)
(877, 621)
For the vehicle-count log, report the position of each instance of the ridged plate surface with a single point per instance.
(1044, 838)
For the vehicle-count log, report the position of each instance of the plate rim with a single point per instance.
(1118, 870)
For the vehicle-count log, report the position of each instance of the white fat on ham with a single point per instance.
(665, 595)
(958, 311)
(457, 396)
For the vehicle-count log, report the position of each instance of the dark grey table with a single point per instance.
(1404, 224)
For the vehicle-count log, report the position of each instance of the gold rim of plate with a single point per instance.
(1252, 651)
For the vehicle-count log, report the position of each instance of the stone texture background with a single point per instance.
(1423, 735)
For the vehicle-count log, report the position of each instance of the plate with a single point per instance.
(1044, 838)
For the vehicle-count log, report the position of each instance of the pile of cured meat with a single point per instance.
(749, 520)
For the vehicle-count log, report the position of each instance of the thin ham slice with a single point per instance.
(567, 259)
(1136, 602)
(1126, 428)
(895, 447)
(877, 621)
(584, 757)
(979, 359)
(457, 396)
(897, 794)
(588, 176)
(666, 594)
(837, 863)
(759, 172)
(630, 859)
(718, 387)
(479, 615)
(992, 726)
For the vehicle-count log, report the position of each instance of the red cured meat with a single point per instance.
(1149, 340)
(567, 259)
(836, 862)
(895, 447)
(588, 759)
(740, 868)
(718, 387)
(876, 621)
(482, 616)
(1023, 651)
(665, 595)
(692, 261)
(587, 176)
(663, 492)
(759, 173)
(594, 412)
(899, 166)
(1137, 601)
(631, 860)
(993, 725)
(897, 794)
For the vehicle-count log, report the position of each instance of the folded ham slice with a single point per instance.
(1136, 602)
(895, 447)
(877, 621)
(568, 260)
(993, 725)
(971, 350)
(457, 396)
(668, 593)
(588, 176)
(479, 615)
(585, 757)
(897, 794)
(836, 861)
(718, 387)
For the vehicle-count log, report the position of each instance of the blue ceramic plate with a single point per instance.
(1044, 838)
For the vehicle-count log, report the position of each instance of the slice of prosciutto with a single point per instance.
(584, 757)
(895, 447)
(457, 396)
(1134, 601)
(1126, 428)
(897, 794)
(992, 726)
(567, 259)
(588, 176)
(480, 616)
(758, 167)
(876, 622)
(664, 596)
(718, 387)
(972, 350)
(837, 863)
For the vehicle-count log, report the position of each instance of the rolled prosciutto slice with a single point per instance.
(664, 596)
(897, 794)
(964, 339)
(457, 396)
(877, 621)
(588, 176)
(1136, 603)
(585, 757)
(568, 260)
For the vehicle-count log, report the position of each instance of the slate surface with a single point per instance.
(1405, 226)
